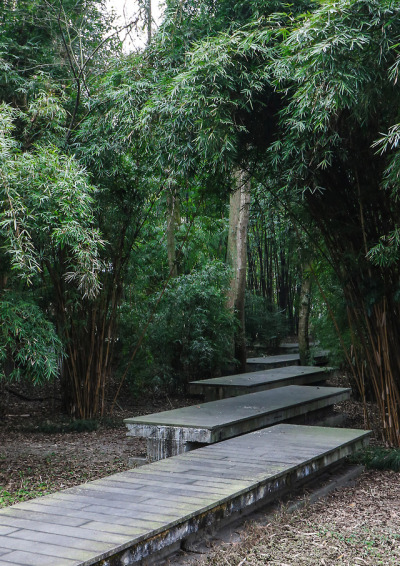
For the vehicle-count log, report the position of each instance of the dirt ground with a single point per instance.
(34, 463)
(354, 526)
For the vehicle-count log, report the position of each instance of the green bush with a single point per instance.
(264, 322)
(191, 334)
(29, 346)
(379, 458)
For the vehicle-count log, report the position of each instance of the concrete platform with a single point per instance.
(173, 432)
(282, 360)
(288, 348)
(127, 517)
(240, 384)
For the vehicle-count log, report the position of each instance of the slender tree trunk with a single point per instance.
(8, 367)
(87, 367)
(149, 19)
(237, 258)
(88, 327)
(304, 315)
(173, 223)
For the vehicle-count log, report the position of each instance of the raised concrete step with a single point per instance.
(282, 348)
(124, 518)
(173, 432)
(240, 384)
(288, 348)
(282, 360)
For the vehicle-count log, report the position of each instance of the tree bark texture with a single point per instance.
(149, 22)
(237, 258)
(352, 214)
(304, 315)
(173, 221)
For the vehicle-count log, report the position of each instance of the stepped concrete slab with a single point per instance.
(240, 384)
(288, 348)
(127, 517)
(282, 360)
(173, 432)
(291, 347)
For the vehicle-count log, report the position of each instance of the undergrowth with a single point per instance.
(78, 425)
(379, 458)
(8, 498)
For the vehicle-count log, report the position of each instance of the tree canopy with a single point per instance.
(116, 170)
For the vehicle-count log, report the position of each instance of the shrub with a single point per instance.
(264, 322)
(379, 458)
(191, 334)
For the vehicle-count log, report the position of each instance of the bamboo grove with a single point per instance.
(119, 177)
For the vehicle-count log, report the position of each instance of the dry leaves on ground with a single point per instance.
(355, 526)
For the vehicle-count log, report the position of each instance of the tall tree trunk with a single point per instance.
(172, 224)
(304, 315)
(149, 21)
(237, 258)
(8, 367)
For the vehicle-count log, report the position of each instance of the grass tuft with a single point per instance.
(379, 458)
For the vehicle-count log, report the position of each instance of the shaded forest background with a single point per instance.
(162, 209)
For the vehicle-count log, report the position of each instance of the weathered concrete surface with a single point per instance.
(282, 360)
(242, 383)
(174, 431)
(122, 519)
(291, 347)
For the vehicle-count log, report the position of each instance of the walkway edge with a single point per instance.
(168, 540)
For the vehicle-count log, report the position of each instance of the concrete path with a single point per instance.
(123, 518)
(180, 430)
(242, 383)
(281, 360)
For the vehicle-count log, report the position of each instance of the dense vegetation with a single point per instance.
(132, 186)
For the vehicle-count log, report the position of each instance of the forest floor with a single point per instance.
(357, 525)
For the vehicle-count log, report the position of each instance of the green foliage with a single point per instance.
(323, 307)
(335, 67)
(265, 324)
(379, 458)
(215, 99)
(29, 346)
(204, 107)
(46, 211)
(297, 97)
(27, 491)
(190, 336)
(48, 237)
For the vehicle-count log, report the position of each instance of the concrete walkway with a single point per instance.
(121, 519)
(281, 360)
(254, 381)
(179, 430)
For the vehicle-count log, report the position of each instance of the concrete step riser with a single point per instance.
(181, 430)
(252, 382)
